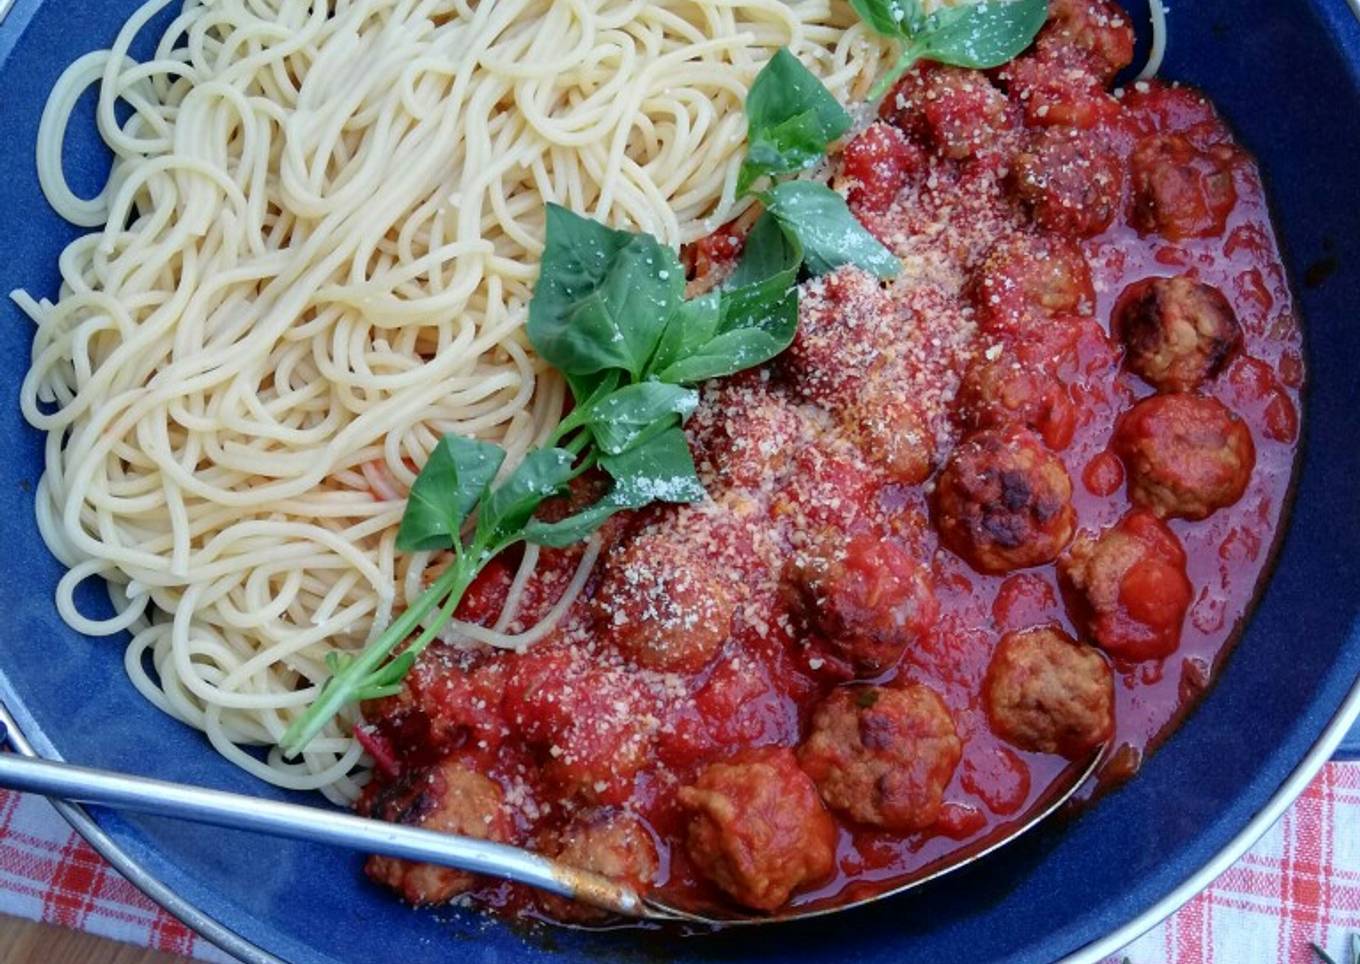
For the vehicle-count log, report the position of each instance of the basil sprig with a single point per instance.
(977, 35)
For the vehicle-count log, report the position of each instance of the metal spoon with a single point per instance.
(65, 781)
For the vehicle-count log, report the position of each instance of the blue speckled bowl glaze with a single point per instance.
(1288, 76)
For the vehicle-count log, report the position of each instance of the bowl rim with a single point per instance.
(227, 940)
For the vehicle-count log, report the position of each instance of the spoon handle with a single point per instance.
(239, 812)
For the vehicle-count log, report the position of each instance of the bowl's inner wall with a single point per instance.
(1048, 894)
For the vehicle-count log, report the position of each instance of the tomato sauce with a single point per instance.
(575, 726)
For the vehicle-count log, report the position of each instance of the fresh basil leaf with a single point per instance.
(618, 420)
(740, 348)
(829, 233)
(891, 18)
(693, 323)
(587, 388)
(770, 251)
(791, 118)
(981, 35)
(454, 478)
(573, 528)
(603, 296)
(505, 510)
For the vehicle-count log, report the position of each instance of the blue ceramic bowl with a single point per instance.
(1288, 76)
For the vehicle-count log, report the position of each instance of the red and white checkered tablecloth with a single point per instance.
(1300, 885)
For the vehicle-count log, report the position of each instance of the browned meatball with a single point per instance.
(1186, 455)
(1004, 502)
(1047, 693)
(1127, 587)
(955, 110)
(883, 755)
(1180, 191)
(757, 828)
(1177, 332)
(662, 602)
(1023, 275)
(448, 798)
(1001, 391)
(1098, 28)
(614, 844)
(866, 596)
(890, 431)
(1070, 179)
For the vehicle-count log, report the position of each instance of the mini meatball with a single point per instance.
(1047, 693)
(1098, 28)
(1003, 502)
(1023, 275)
(663, 603)
(448, 798)
(615, 845)
(1177, 333)
(1187, 456)
(868, 598)
(956, 111)
(1070, 180)
(1003, 391)
(757, 828)
(1059, 85)
(1127, 587)
(1180, 191)
(878, 164)
(883, 755)
(886, 424)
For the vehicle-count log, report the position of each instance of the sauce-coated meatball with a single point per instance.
(662, 603)
(1127, 587)
(757, 828)
(878, 164)
(448, 798)
(1004, 502)
(1002, 391)
(1071, 181)
(1180, 191)
(956, 111)
(1027, 275)
(1177, 332)
(883, 755)
(1047, 693)
(1098, 28)
(1186, 455)
(867, 597)
(614, 844)
(890, 431)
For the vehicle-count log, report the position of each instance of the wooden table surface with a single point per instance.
(24, 942)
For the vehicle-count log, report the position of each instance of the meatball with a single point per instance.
(615, 845)
(883, 755)
(757, 828)
(1127, 587)
(662, 602)
(1177, 332)
(1098, 28)
(1058, 85)
(1023, 275)
(878, 164)
(868, 598)
(1003, 502)
(448, 798)
(956, 111)
(1186, 455)
(1180, 191)
(888, 428)
(1070, 180)
(1047, 693)
(1002, 391)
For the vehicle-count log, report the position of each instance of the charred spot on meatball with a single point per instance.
(449, 798)
(1187, 456)
(1004, 502)
(757, 828)
(1047, 693)
(1179, 190)
(883, 755)
(1127, 587)
(1177, 332)
(613, 844)
(865, 596)
(1027, 275)
(1070, 180)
